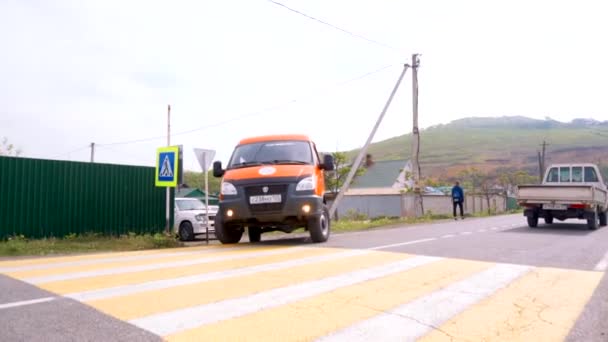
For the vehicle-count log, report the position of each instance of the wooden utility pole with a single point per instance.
(418, 205)
(168, 189)
(363, 152)
(92, 152)
(541, 161)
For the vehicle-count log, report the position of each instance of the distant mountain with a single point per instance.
(509, 142)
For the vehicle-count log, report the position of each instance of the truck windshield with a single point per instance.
(271, 152)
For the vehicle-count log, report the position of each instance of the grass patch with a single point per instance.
(349, 225)
(86, 243)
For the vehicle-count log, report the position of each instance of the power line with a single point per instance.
(251, 114)
(70, 152)
(333, 26)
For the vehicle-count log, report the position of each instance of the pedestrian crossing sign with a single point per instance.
(167, 166)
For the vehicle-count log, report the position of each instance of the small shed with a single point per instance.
(196, 193)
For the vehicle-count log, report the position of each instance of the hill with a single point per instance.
(492, 144)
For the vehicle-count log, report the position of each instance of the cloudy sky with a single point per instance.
(76, 72)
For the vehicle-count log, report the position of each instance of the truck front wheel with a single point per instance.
(225, 233)
(255, 234)
(603, 222)
(533, 221)
(319, 226)
(592, 220)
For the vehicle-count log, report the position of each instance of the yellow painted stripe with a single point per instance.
(152, 302)
(315, 317)
(541, 306)
(127, 263)
(106, 281)
(94, 256)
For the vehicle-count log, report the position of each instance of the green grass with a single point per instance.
(20, 246)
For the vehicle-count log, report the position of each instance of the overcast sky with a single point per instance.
(76, 72)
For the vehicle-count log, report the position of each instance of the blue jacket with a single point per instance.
(457, 193)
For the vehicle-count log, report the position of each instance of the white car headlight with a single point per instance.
(228, 189)
(200, 218)
(307, 184)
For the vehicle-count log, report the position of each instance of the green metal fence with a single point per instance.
(43, 198)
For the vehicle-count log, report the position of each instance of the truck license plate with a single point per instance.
(555, 207)
(265, 199)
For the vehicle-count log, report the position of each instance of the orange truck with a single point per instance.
(273, 183)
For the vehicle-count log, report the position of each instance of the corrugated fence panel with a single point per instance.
(43, 198)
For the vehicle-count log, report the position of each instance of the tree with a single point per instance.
(197, 180)
(7, 149)
(335, 180)
(480, 183)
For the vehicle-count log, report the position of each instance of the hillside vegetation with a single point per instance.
(492, 144)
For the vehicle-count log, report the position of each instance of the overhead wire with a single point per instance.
(356, 35)
(250, 114)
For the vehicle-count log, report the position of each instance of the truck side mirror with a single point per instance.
(328, 162)
(217, 169)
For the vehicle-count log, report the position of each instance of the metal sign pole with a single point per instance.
(206, 198)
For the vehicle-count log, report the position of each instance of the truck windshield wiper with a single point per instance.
(245, 164)
(289, 161)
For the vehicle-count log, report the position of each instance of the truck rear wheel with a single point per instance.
(255, 234)
(549, 219)
(593, 220)
(603, 217)
(533, 221)
(225, 233)
(319, 226)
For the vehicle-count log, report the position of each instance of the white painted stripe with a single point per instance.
(481, 231)
(141, 268)
(505, 227)
(447, 236)
(108, 260)
(413, 242)
(179, 320)
(26, 302)
(494, 228)
(466, 233)
(602, 265)
(200, 278)
(417, 318)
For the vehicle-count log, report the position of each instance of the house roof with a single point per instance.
(381, 174)
(191, 192)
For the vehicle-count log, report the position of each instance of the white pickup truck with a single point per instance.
(568, 191)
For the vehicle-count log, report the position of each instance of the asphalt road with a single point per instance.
(546, 283)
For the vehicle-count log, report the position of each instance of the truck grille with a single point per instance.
(272, 190)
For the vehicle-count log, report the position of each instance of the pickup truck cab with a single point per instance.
(273, 183)
(568, 191)
(191, 218)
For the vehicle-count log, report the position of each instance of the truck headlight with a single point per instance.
(228, 189)
(200, 218)
(307, 184)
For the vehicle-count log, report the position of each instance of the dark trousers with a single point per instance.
(458, 203)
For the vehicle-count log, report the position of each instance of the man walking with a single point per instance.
(458, 199)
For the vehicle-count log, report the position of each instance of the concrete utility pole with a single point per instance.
(92, 152)
(541, 161)
(168, 189)
(363, 151)
(418, 205)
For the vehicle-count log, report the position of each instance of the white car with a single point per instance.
(190, 218)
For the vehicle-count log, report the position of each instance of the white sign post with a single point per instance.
(204, 158)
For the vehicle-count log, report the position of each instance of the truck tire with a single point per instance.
(593, 221)
(226, 234)
(549, 219)
(603, 220)
(532, 221)
(255, 234)
(319, 226)
(186, 232)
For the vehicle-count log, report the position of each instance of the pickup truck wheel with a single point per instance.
(593, 221)
(226, 234)
(186, 232)
(532, 221)
(319, 226)
(603, 220)
(255, 234)
(549, 220)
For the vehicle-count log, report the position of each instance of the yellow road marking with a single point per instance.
(127, 263)
(105, 281)
(541, 306)
(315, 317)
(94, 256)
(151, 302)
